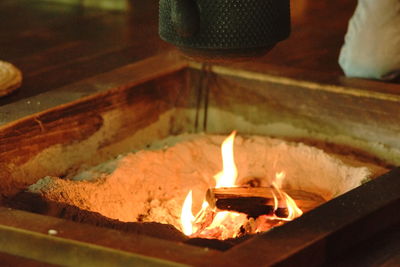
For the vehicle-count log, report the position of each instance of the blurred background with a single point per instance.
(57, 42)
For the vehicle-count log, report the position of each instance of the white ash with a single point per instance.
(150, 185)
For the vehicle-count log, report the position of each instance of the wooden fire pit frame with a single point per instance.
(312, 239)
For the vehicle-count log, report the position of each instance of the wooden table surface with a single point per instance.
(56, 44)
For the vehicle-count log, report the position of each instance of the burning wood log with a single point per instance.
(256, 201)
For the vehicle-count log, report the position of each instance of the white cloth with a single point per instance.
(372, 42)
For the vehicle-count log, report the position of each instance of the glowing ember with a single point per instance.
(226, 224)
(212, 223)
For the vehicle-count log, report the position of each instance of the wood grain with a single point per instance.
(55, 44)
(253, 200)
(135, 96)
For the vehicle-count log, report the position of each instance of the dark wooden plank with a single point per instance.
(81, 44)
(313, 46)
(127, 76)
(383, 249)
(35, 25)
(7, 260)
(136, 94)
(326, 232)
(34, 228)
(30, 15)
(78, 69)
(72, 24)
(83, 33)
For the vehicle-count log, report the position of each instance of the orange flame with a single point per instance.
(227, 177)
(187, 217)
(224, 224)
(293, 210)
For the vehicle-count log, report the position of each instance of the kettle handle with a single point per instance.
(185, 17)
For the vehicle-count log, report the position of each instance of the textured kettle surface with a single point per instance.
(224, 24)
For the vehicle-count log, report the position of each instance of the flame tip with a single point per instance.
(224, 222)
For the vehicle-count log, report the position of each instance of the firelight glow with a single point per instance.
(293, 210)
(187, 217)
(227, 177)
(225, 224)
